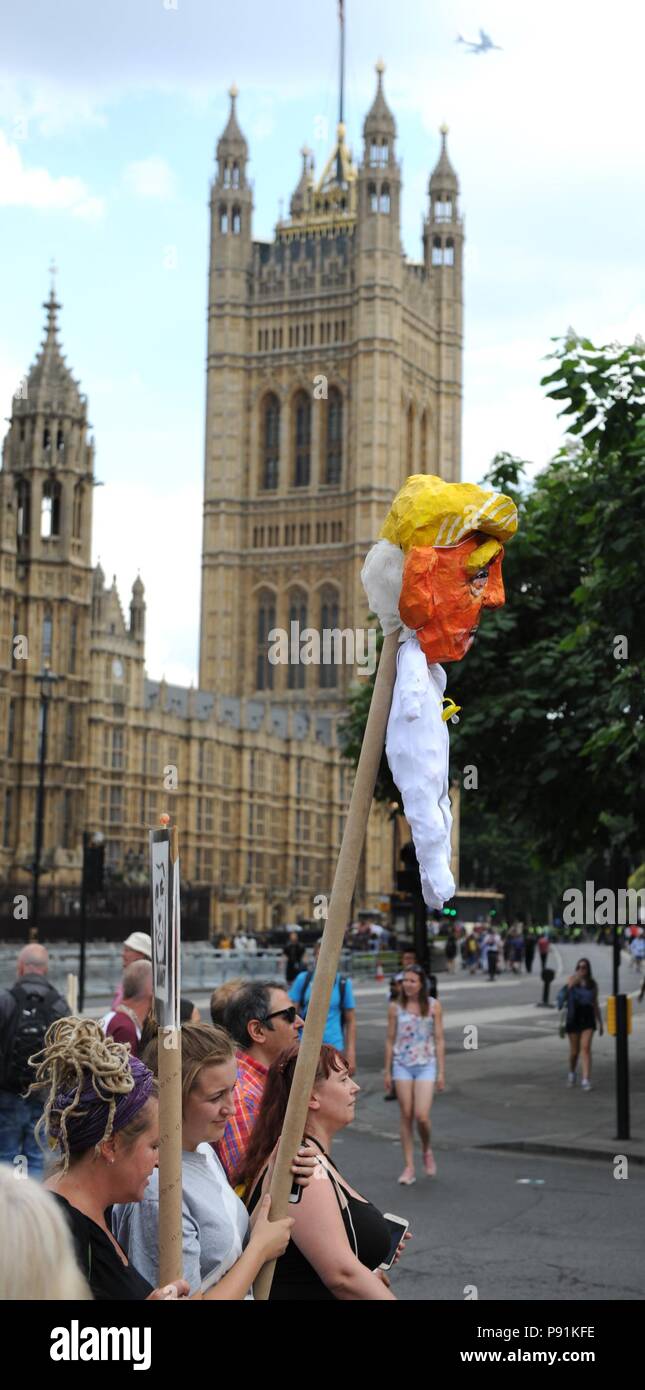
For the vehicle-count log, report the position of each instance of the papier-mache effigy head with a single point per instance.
(446, 543)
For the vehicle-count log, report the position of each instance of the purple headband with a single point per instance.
(86, 1126)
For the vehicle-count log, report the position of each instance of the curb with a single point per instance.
(560, 1150)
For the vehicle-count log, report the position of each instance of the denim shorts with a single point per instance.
(427, 1071)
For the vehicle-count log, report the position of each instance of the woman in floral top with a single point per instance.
(414, 1061)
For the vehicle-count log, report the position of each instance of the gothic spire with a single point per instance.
(379, 119)
(50, 384)
(443, 175)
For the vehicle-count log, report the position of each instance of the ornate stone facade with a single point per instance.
(334, 370)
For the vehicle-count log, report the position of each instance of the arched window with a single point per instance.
(227, 175)
(270, 442)
(297, 614)
(223, 220)
(302, 440)
(437, 251)
(449, 253)
(47, 439)
(77, 515)
(23, 523)
(423, 443)
(372, 197)
(50, 511)
(265, 622)
(384, 201)
(236, 175)
(47, 638)
(60, 441)
(442, 208)
(334, 443)
(409, 444)
(329, 622)
(237, 221)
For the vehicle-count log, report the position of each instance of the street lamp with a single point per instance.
(46, 680)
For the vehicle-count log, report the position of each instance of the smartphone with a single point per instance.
(296, 1191)
(398, 1227)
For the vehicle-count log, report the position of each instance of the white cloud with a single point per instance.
(159, 534)
(150, 178)
(21, 186)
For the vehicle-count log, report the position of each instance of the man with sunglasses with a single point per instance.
(262, 1021)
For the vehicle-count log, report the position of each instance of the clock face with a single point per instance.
(117, 669)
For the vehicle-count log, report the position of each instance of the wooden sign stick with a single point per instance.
(332, 942)
(171, 1265)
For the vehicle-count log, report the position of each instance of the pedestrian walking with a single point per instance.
(451, 951)
(583, 1014)
(491, 947)
(262, 1021)
(472, 953)
(544, 946)
(517, 950)
(26, 1012)
(414, 1060)
(340, 1028)
(529, 950)
(293, 955)
(637, 951)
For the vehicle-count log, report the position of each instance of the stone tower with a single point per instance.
(46, 488)
(334, 371)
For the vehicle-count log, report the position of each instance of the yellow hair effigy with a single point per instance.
(427, 510)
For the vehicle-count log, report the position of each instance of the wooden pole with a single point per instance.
(72, 992)
(170, 1148)
(332, 942)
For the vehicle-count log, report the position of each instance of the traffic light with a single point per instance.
(93, 865)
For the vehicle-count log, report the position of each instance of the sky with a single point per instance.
(109, 118)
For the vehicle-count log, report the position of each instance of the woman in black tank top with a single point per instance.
(339, 1239)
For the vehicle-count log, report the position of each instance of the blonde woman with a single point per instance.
(37, 1258)
(215, 1222)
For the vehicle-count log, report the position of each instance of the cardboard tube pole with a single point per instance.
(72, 993)
(332, 942)
(170, 1215)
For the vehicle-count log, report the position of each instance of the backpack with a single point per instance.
(342, 985)
(36, 1008)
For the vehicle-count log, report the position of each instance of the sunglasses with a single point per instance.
(289, 1015)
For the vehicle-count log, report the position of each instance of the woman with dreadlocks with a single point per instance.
(101, 1118)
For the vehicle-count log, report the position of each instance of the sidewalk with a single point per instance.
(514, 1096)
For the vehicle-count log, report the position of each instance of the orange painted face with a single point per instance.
(442, 602)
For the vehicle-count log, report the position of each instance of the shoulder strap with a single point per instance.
(342, 985)
(304, 987)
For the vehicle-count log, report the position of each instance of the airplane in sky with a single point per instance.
(485, 43)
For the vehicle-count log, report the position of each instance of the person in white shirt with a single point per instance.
(215, 1222)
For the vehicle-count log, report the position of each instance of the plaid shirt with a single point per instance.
(231, 1149)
